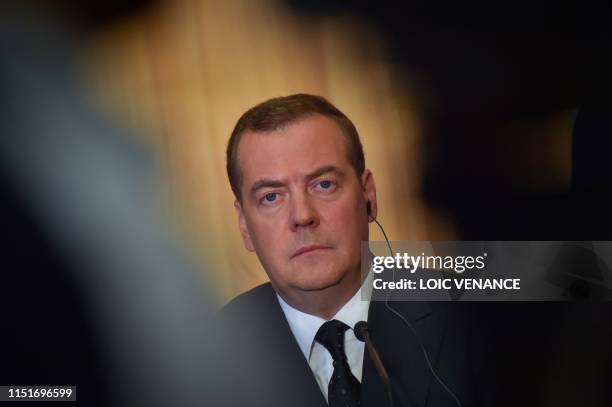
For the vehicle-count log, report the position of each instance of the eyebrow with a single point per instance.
(324, 170)
(275, 183)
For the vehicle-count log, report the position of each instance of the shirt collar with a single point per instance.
(305, 326)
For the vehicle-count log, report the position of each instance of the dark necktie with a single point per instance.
(343, 389)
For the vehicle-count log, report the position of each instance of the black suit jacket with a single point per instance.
(270, 369)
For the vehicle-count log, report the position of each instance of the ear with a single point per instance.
(244, 230)
(369, 191)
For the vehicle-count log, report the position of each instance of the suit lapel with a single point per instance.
(401, 353)
(288, 370)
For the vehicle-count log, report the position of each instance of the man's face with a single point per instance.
(303, 207)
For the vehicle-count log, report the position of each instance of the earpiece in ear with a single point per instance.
(369, 208)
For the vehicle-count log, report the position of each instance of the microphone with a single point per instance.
(362, 334)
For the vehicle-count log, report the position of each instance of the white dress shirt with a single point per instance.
(305, 326)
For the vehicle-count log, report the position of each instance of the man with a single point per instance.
(304, 200)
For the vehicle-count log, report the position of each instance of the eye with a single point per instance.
(270, 197)
(325, 184)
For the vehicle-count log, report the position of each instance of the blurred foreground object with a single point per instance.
(95, 291)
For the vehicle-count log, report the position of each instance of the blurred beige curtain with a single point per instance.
(182, 74)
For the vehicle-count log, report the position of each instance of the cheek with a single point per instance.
(267, 239)
(349, 222)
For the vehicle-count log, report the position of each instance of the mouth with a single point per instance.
(308, 249)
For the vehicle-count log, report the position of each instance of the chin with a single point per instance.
(320, 281)
(315, 286)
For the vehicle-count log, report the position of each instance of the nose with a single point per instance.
(303, 213)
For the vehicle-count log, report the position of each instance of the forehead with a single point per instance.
(293, 150)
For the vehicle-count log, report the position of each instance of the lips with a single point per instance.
(308, 249)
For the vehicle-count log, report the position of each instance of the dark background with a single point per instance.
(489, 65)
